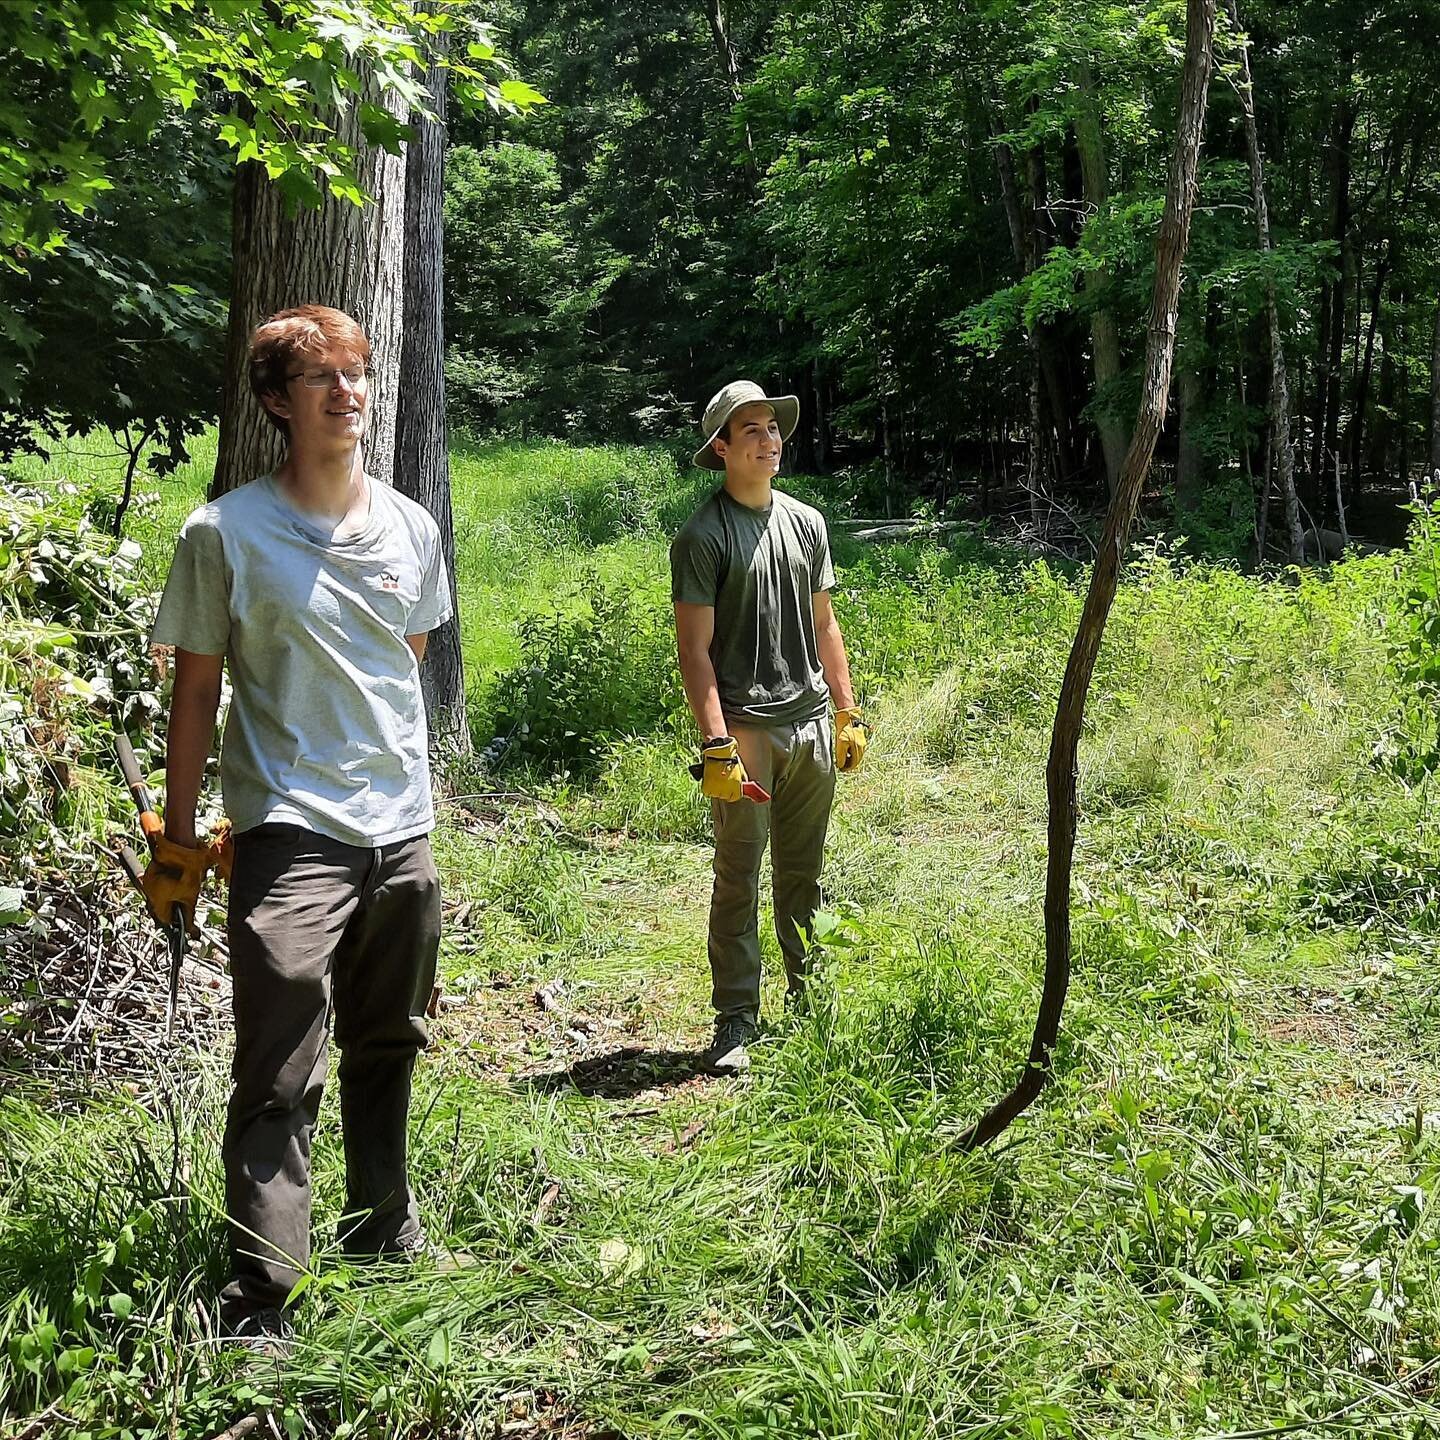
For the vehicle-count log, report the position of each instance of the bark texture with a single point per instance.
(1282, 445)
(1061, 771)
(422, 452)
(1435, 400)
(1104, 332)
(348, 256)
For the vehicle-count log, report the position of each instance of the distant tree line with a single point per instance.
(934, 222)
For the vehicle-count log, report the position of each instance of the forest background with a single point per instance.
(936, 224)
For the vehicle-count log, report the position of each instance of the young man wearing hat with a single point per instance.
(762, 657)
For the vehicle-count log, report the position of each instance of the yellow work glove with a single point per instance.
(722, 772)
(174, 877)
(851, 736)
(220, 850)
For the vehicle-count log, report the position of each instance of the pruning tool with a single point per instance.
(750, 789)
(151, 825)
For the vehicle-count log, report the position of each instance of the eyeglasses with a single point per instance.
(326, 379)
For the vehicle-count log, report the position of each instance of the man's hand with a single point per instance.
(174, 877)
(722, 772)
(852, 734)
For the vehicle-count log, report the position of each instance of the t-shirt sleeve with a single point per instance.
(694, 569)
(194, 611)
(822, 571)
(433, 608)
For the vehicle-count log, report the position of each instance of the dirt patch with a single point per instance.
(562, 1035)
(1330, 1027)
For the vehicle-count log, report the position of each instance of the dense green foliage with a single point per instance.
(120, 126)
(1220, 1218)
(834, 220)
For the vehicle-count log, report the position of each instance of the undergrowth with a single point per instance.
(1217, 1221)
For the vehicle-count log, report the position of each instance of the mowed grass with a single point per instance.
(1216, 1222)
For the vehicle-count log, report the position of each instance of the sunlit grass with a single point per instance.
(1216, 1220)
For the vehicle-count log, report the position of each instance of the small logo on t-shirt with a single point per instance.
(389, 580)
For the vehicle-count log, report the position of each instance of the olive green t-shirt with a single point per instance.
(760, 570)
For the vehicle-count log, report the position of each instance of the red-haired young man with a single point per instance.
(316, 586)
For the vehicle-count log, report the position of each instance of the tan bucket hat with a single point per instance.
(727, 401)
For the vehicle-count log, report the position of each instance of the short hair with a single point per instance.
(288, 335)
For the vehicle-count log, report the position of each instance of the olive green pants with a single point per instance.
(319, 927)
(796, 764)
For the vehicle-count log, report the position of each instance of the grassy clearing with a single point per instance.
(1215, 1222)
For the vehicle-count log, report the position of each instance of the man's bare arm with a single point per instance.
(193, 704)
(694, 630)
(833, 660)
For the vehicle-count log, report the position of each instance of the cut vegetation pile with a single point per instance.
(83, 973)
(1219, 1220)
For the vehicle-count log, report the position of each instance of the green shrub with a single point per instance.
(591, 675)
(1414, 747)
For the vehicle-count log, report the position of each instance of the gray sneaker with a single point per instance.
(727, 1054)
(266, 1334)
(436, 1254)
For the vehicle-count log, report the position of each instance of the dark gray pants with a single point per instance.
(315, 924)
(796, 764)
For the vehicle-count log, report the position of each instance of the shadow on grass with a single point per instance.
(622, 1074)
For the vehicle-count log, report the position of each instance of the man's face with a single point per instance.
(326, 400)
(754, 447)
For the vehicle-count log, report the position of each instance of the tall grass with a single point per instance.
(1215, 1221)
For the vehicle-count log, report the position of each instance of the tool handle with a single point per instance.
(150, 821)
(129, 862)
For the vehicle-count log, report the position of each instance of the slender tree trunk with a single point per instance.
(1435, 400)
(422, 454)
(1189, 481)
(1025, 243)
(1048, 348)
(1061, 772)
(1402, 328)
(1325, 441)
(1363, 377)
(823, 453)
(730, 67)
(348, 256)
(1262, 523)
(1340, 507)
(1281, 440)
(1104, 332)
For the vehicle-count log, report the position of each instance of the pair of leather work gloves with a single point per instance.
(176, 873)
(722, 772)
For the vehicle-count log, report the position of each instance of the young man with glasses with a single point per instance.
(316, 586)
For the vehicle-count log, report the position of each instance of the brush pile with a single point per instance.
(83, 971)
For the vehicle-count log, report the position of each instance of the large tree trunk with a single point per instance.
(422, 455)
(1434, 401)
(1061, 772)
(1282, 447)
(340, 254)
(1104, 332)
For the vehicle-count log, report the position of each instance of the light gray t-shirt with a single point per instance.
(326, 728)
(760, 569)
